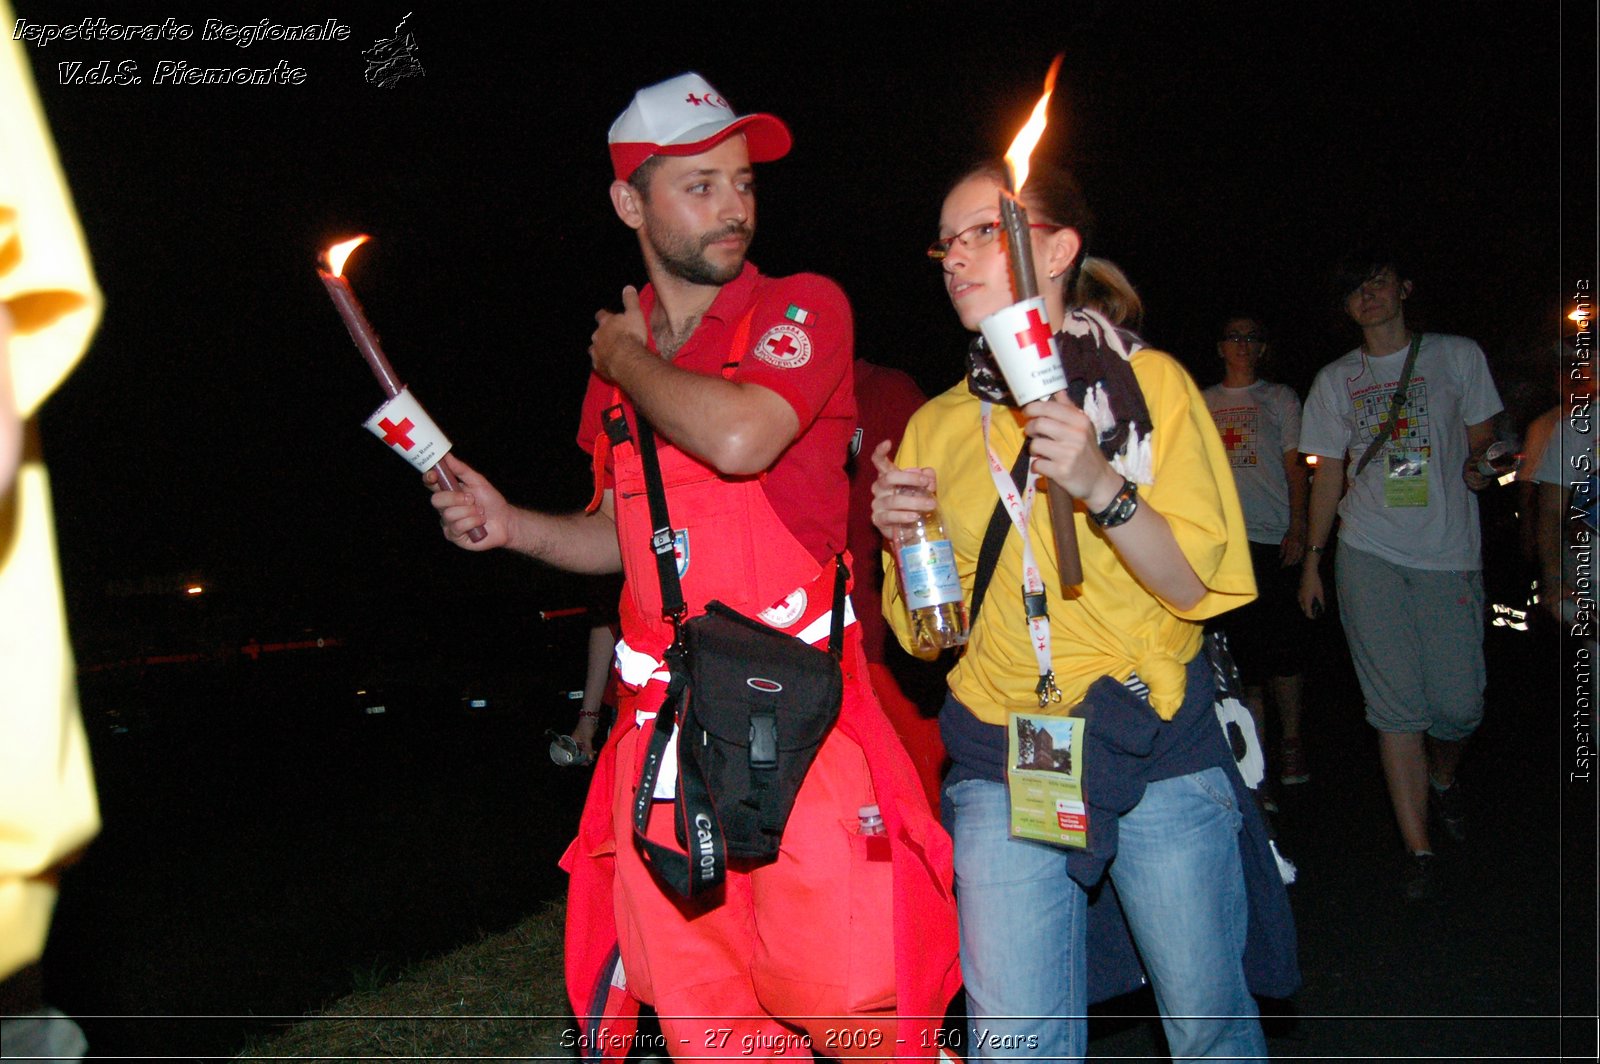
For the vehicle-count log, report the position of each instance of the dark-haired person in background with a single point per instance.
(1260, 425)
(1409, 567)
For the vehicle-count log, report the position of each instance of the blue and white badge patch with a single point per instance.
(785, 346)
(680, 551)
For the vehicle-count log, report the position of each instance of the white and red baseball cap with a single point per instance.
(686, 116)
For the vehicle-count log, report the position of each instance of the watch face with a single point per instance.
(1122, 507)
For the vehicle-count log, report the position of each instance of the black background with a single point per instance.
(1230, 152)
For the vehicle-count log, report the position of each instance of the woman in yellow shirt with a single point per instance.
(1163, 547)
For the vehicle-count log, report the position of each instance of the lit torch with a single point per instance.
(1020, 336)
(400, 422)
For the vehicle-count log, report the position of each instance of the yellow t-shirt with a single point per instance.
(47, 798)
(1114, 627)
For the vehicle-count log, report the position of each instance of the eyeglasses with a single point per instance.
(1243, 338)
(978, 236)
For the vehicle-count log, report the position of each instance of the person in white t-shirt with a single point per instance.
(1260, 426)
(1409, 569)
(1564, 514)
(1557, 455)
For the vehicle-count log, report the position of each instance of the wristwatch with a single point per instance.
(1123, 505)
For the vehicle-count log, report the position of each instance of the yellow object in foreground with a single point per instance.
(47, 799)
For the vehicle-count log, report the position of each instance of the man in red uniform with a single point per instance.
(747, 382)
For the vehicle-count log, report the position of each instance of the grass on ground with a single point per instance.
(502, 996)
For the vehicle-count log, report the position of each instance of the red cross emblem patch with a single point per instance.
(785, 346)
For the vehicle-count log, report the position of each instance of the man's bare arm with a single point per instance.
(739, 429)
(579, 543)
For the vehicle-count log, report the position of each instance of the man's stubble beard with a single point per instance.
(685, 257)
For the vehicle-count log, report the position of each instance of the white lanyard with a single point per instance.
(1035, 603)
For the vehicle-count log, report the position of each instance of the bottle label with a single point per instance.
(928, 574)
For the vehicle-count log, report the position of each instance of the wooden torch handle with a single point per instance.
(1066, 533)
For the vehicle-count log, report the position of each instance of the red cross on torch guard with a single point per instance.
(366, 340)
(1036, 335)
(396, 434)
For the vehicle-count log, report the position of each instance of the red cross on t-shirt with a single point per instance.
(396, 434)
(1037, 334)
(1232, 437)
(781, 345)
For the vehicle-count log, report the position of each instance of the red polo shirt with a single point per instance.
(801, 342)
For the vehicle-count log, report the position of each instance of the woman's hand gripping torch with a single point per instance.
(400, 422)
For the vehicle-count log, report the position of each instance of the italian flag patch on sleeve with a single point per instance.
(799, 315)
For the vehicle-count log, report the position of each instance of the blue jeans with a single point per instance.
(1023, 923)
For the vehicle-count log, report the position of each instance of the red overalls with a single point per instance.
(850, 939)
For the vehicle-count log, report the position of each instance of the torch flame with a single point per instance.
(338, 253)
(1028, 136)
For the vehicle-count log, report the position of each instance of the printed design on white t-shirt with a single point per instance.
(1411, 430)
(1240, 431)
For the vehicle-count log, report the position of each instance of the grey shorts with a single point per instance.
(1416, 636)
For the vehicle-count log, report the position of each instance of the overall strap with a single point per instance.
(739, 346)
(661, 538)
(673, 606)
(704, 868)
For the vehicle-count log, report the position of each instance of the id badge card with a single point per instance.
(1405, 478)
(1044, 775)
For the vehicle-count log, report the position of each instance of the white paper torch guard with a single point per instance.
(409, 431)
(1024, 347)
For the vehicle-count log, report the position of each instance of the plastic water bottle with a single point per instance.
(871, 820)
(930, 584)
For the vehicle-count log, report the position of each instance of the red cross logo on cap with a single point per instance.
(395, 435)
(692, 98)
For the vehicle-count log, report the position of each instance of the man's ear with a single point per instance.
(1405, 289)
(627, 202)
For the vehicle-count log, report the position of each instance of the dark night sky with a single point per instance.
(1230, 151)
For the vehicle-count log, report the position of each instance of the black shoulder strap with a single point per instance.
(994, 538)
(706, 865)
(672, 605)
